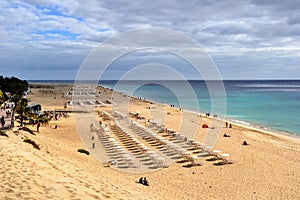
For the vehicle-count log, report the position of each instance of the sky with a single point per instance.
(246, 39)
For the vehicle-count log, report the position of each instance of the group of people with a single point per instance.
(228, 125)
(7, 105)
(6, 108)
(55, 115)
(143, 181)
(8, 113)
(245, 143)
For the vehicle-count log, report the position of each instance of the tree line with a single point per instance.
(17, 88)
(13, 85)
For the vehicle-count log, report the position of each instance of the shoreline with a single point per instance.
(245, 124)
(249, 125)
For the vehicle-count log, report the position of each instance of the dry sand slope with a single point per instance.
(266, 169)
(27, 173)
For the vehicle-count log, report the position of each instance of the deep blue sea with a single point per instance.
(273, 104)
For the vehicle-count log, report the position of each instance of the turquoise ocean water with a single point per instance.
(267, 104)
(264, 104)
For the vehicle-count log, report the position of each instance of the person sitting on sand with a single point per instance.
(245, 143)
(141, 180)
(226, 135)
(145, 182)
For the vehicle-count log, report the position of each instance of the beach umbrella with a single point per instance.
(204, 126)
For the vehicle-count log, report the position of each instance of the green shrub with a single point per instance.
(43, 119)
(84, 151)
(27, 130)
(32, 143)
(2, 133)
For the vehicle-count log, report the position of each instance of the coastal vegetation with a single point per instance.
(21, 110)
(42, 119)
(2, 97)
(13, 86)
(2, 133)
(14, 90)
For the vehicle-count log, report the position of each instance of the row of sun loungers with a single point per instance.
(89, 102)
(143, 132)
(181, 151)
(132, 144)
(137, 144)
(119, 114)
(176, 143)
(106, 137)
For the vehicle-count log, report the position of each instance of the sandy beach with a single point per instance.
(267, 168)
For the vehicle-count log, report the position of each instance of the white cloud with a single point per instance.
(249, 28)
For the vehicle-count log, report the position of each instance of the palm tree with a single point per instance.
(21, 109)
(16, 98)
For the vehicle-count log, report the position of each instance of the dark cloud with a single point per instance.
(279, 4)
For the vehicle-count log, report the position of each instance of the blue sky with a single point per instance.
(247, 39)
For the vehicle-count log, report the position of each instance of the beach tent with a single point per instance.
(204, 126)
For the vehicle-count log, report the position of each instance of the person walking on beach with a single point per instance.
(2, 121)
(38, 127)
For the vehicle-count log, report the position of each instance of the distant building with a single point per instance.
(35, 108)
